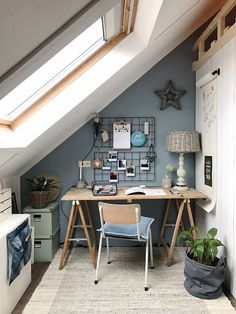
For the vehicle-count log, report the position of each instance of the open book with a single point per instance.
(139, 190)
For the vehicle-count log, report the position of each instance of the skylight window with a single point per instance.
(53, 71)
(35, 93)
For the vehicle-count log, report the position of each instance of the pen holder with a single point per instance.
(166, 182)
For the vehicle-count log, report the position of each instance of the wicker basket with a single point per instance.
(39, 199)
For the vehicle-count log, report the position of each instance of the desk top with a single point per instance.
(74, 194)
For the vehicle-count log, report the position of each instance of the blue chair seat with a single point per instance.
(128, 230)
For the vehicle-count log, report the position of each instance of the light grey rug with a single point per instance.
(120, 288)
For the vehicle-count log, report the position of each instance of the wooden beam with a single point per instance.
(5, 125)
(5, 128)
(226, 37)
(210, 28)
(220, 27)
(5, 122)
(134, 14)
(125, 19)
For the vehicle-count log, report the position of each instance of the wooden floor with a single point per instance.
(38, 270)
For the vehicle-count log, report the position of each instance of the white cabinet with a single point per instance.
(5, 204)
(10, 294)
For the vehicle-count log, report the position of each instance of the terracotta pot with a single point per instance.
(39, 199)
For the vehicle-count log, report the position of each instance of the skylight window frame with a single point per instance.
(126, 15)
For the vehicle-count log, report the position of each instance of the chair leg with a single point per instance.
(146, 265)
(108, 251)
(151, 248)
(98, 259)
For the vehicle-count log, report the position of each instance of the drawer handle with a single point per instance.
(37, 218)
(37, 244)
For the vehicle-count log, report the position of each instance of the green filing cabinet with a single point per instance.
(46, 231)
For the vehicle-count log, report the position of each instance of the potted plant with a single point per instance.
(166, 181)
(40, 189)
(203, 270)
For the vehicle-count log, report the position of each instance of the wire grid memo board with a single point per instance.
(132, 156)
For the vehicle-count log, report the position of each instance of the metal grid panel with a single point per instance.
(137, 124)
(133, 156)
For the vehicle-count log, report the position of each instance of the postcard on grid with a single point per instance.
(121, 135)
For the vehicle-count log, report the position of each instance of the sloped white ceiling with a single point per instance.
(174, 21)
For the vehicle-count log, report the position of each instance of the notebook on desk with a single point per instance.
(139, 190)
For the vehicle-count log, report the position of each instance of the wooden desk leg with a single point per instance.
(177, 207)
(91, 224)
(190, 216)
(175, 233)
(86, 233)
(70, 243)
(162, 241)
(68, 232)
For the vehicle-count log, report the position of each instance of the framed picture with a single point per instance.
(130, 171)
(121, 164)
(144, 164)
(106, 164)
(113, 176)
(208, 171)
(112, 155)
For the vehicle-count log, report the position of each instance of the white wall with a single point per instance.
(224, 217)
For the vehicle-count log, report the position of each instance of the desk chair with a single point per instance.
(126, 223)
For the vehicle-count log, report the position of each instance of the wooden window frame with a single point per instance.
(127, 25)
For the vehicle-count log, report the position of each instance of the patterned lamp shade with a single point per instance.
(182, 142)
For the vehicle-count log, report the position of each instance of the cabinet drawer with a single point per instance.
(5, 194)
(5, 205)
(5, 200)
(45, 221)
(43, 224)
(45, 249)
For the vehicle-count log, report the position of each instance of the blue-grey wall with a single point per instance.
(138, 100)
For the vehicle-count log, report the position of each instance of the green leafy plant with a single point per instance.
(170, 168)
(42, 184)
(202, 249)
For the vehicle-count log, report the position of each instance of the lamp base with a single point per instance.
(181, 188)
(80, 185)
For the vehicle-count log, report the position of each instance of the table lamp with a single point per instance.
(182, 142)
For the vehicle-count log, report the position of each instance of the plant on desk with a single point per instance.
(40, 189)
(204, 271)
(166, 181)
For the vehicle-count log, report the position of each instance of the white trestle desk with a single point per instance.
(80, 196)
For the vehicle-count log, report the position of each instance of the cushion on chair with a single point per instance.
(128, 230)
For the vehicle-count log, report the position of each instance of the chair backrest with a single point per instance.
(120, 214)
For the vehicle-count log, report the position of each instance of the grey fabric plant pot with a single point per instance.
(204, 281)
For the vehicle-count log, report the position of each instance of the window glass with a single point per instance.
(53, 71)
